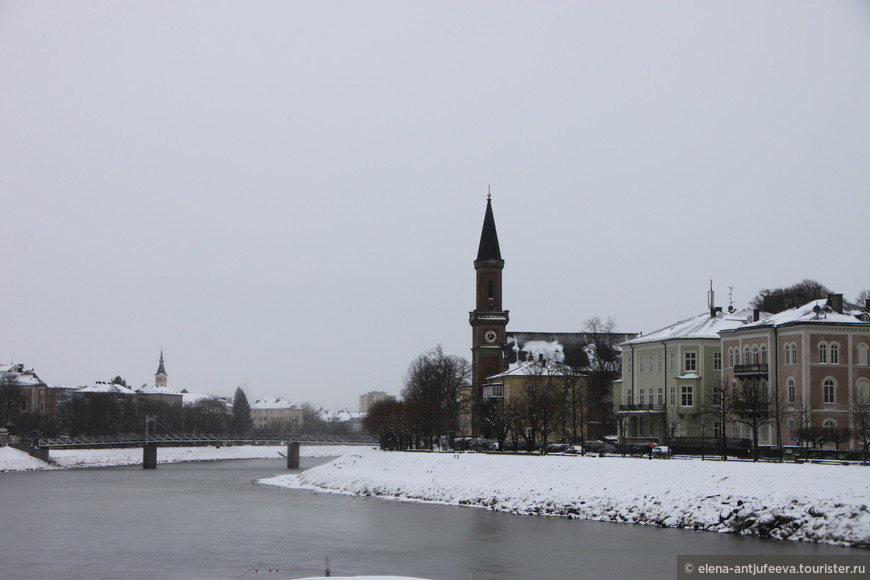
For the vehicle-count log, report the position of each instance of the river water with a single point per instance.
(212, 521)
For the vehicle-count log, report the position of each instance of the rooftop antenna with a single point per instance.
(730, 297)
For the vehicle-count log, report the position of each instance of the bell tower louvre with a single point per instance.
(488, 320)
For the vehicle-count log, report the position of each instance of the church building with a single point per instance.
(500, 360)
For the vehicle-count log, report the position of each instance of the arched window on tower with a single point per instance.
(490, 288)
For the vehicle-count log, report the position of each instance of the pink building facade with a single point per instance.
(811, 362)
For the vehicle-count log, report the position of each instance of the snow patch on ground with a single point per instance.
(14, 460)
(819, 503)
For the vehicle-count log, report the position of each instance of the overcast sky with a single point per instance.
(288, 196)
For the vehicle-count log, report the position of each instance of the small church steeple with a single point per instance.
(161, 376)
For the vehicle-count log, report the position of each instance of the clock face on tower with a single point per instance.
(491, 336)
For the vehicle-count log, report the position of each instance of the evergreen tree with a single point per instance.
(242, 422)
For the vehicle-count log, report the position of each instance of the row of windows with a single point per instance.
(645, 364)
(829, 354)
(656, 396)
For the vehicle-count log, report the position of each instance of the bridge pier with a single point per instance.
(149, 456)
(293, 456)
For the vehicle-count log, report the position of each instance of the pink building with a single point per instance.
(810, 365)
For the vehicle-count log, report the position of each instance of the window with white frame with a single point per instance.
(834, 353)
(823, 353)
(691, 359)
(661, 396)
(862, 354)
(746, 357)
(687, 396)
(764, 432)
(630, 397)
(661, 363)
(862, 391)
(717, 395)
(673, 396)
(790, 353)
(755, 360)
(673, 358)
(640, 364)
(628, 365)
(717, 361)
(763, 352)
(640, 394)
(717, 430)
(830, 427)
(790, 390)
(829, 391)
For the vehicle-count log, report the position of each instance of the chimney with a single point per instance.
(835, 301)
(755, 315)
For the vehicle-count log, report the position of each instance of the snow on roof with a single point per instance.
(815, 312)
(702, 326)
(339, 415)
(273, 403)
(16, 374)
(158, 391)
(101, 387)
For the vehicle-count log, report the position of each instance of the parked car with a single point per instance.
(574, 450)
(661, 451)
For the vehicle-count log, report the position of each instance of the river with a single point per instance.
(210, 520)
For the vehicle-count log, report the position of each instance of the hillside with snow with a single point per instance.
(819, 503)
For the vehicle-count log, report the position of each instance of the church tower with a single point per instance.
(161, 376)
(488, 319)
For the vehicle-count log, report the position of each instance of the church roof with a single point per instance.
(488, 249)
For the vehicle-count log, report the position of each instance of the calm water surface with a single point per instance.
(211, 521)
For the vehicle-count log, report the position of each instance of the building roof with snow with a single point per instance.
(522, 346)
(702, 326)
(272, 403)
(816, 312)
(106, 388)
(17, 375)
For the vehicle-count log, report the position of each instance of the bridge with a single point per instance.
(193, 440)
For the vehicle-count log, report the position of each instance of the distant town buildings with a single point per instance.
(370, 398)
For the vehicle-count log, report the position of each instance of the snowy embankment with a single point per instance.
(820, 503)
(15, 460)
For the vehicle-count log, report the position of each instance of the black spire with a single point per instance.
(160, 369)
(488, 249)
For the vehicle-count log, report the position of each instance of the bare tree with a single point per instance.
(436, 382)
(752, 408)
(861, 418)
(605, 366)
(575, 372)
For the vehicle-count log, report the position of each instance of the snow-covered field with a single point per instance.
(15, 460)
(820, 503)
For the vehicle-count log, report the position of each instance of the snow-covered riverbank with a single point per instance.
(821, 503)
(15, 460)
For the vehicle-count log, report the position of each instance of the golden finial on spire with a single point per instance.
(488, 194)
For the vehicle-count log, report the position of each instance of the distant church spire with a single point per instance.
(488, 249)
(161, 376)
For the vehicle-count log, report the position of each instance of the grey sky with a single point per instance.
(288, 196)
